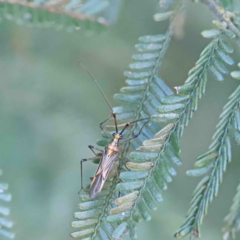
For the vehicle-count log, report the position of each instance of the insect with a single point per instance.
(109, 154)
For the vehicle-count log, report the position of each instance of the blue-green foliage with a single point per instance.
(151, 167)
(135, 103)
(5, 224)
(233, 218)
(148, 169)
(219, 154)
(212, 164)
(138, 100)
(69, 15)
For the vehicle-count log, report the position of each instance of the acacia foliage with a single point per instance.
(143, 173)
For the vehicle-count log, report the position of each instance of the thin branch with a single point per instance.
(221, 15)
(57, 9)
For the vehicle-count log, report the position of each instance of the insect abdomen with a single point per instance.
(96, 186)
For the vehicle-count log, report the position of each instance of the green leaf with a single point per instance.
(182, 233)
(199, 171)
(142, 65)
(144, 56)
(172, 99)
(220, 66)
(184, 89)
(139, 166)
(132, 82)
(174, 143)
(153, 38)
(127, 98)
(225, 58)
(201, 185)
(118, 217)
(236, 136)
(216, 74)
(164, 130)
(122, 208)
(169, 107)
(90, 204)
(215, 161)
(126, 198)
(103, 234)
(144, 47)
(143, 211)
(119, 230)
(132, 230)
(165, 117)
(124, 108)
(229, 33)
(150, 148)
(173, 156)
(129, 186)
(151, 186)
(143, 156)
(210, 33)
(206, 158)
(61, 15)
(5, 224)
(137, 75)
(102, 142)
(226, 46)
(133, 175)
(82, 233)
(236, 74)
(148, 200)
(207, 50)
(162, 16)
(87, 214)
(159, 180)
(195, 71)
(85, 223)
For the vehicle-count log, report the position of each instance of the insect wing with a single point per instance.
(102, 172)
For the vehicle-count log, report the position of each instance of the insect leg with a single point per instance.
(102, 127)
(87, 159)
(136, 135)
(128, 124)
(98, 149)
(81, 171)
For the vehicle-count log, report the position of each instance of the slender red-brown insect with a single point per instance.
(109, 154)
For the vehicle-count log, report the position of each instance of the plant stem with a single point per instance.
(221, 16)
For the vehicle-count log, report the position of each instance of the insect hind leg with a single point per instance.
(85, 160)
(136, 135)
(91, 147)
(81, 172)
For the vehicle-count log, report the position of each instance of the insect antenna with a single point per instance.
(101, 91)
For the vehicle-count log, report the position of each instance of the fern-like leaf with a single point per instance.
(233, 218)
(212, 164)
(138, 100)
(5, 224)
(152, 166)
(61, 14)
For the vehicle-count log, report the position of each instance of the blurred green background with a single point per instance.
(50, 111)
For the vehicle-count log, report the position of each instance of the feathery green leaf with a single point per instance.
(70, 15)
(5, 224)
(215, 162)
